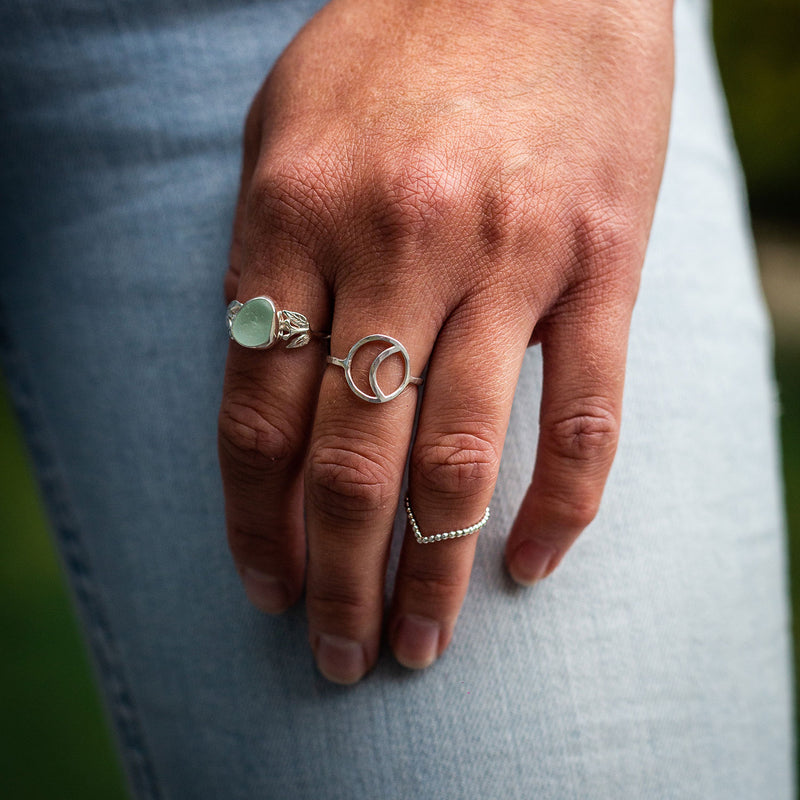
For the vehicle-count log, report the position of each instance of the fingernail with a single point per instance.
(530, 563)
(416, 641)
(340, 660)
(265, 592)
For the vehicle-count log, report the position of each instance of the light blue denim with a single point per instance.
(653, 664)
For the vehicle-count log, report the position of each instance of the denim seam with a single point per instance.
(86, 595)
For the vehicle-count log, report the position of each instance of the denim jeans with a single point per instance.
(654, 663)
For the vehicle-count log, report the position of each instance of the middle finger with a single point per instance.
(353, 478)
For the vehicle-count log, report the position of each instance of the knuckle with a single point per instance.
(438, 589)
(508, 220)
(280, 202)
(346, 480)
(584, 434)
(340, 605)
(254, 543)
(418, 197)
(255, 440)
(294, 197)
(460, 464)
(606, 237)
(568, 511)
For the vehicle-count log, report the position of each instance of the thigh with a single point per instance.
(653, 663)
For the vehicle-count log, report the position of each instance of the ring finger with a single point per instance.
(454, 465)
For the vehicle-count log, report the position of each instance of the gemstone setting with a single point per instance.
(254, 323)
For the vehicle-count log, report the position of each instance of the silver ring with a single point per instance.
(258, 324)
(439, 537)
(394, 348)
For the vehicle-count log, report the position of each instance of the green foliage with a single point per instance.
(54, 742)
(758, 47)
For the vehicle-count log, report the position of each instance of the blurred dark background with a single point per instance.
(53, 739)
(758, 48)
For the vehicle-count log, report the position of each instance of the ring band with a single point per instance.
(258, 324)
(394, 348)
(438, 537)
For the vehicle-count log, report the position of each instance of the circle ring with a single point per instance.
(395, 347)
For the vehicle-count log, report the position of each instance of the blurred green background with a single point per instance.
(53, 738)
(758, 48)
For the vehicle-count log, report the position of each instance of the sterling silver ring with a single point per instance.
(394, 348)
(258, 324)
(440, 537)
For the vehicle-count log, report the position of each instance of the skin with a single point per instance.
(470, 178)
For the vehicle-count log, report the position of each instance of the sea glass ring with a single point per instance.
(258, 324)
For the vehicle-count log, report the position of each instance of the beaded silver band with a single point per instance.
(440, 537)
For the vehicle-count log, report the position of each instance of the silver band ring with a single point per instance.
(394, 348)
(439, 537)
(258, 324)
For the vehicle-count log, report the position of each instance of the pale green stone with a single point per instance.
(253, 325)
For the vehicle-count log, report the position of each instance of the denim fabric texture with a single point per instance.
(654, 663)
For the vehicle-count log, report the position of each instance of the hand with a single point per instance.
(469, 178)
